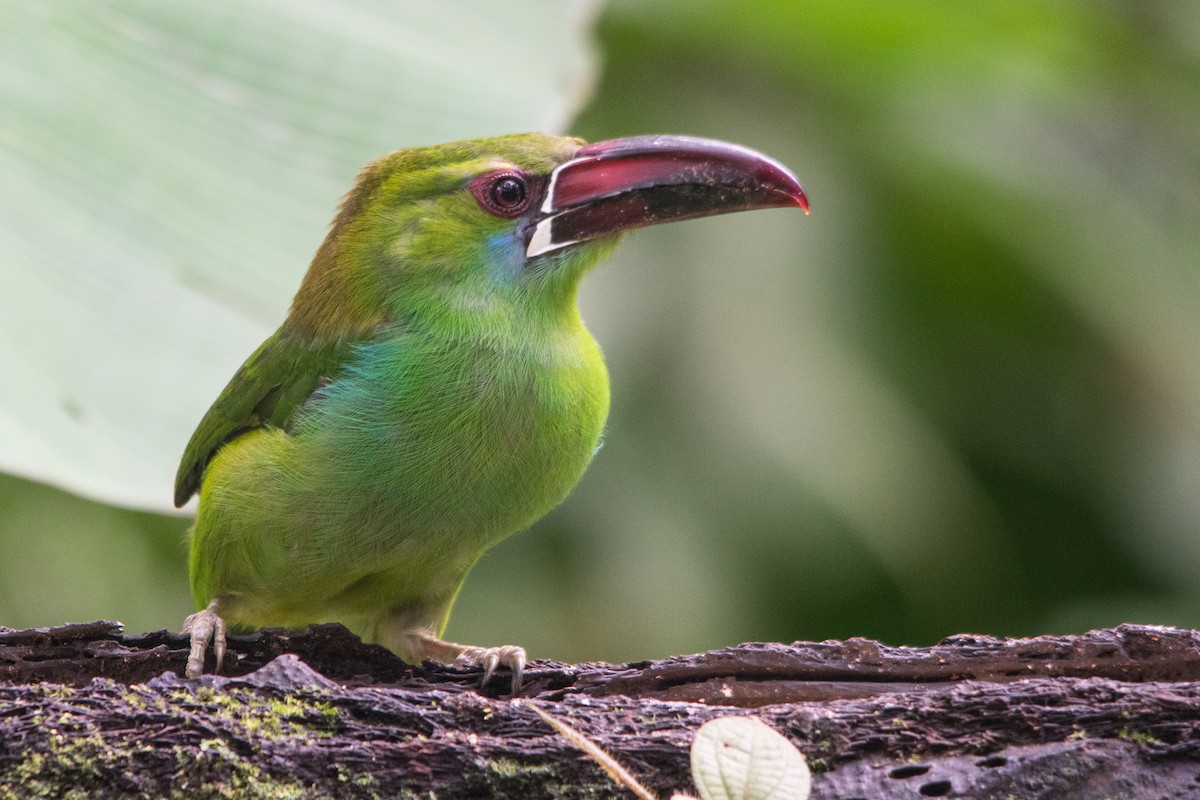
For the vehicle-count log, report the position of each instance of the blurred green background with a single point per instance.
(963, 395)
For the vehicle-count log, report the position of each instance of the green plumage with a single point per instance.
(428, 395)
(433, 389)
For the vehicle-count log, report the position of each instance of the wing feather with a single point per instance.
(266, 391)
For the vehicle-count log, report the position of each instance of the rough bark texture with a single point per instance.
(87, 712)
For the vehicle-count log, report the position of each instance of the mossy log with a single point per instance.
(88, 712)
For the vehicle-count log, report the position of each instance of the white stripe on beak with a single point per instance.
(542, 240)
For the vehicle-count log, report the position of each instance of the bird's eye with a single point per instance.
(505, 194)
(508, 192)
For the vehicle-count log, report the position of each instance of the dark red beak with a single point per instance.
(620, 184)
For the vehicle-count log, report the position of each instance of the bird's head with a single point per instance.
(461, 226)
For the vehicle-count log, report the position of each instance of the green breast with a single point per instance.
(468, 441)
(397, 477)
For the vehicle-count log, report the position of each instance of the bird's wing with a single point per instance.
(266, 392)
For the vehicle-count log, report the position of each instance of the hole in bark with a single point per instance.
(992, 761)
(908, 771)
(935, 789)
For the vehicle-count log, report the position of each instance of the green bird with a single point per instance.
(433, 388)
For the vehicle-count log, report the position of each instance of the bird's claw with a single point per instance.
(204, 626)
(489, 658)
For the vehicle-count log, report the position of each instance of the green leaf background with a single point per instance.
(961, 395)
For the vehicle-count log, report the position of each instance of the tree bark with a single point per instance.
(88, 712)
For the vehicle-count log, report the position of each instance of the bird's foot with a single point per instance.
(461, 655)
(489, 658)
(204, 626)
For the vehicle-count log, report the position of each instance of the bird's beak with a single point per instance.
(621, 184)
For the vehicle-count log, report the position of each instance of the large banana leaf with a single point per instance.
(168, 170)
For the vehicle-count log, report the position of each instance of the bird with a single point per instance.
(432, 389)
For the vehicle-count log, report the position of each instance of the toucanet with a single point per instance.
(433, 388)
